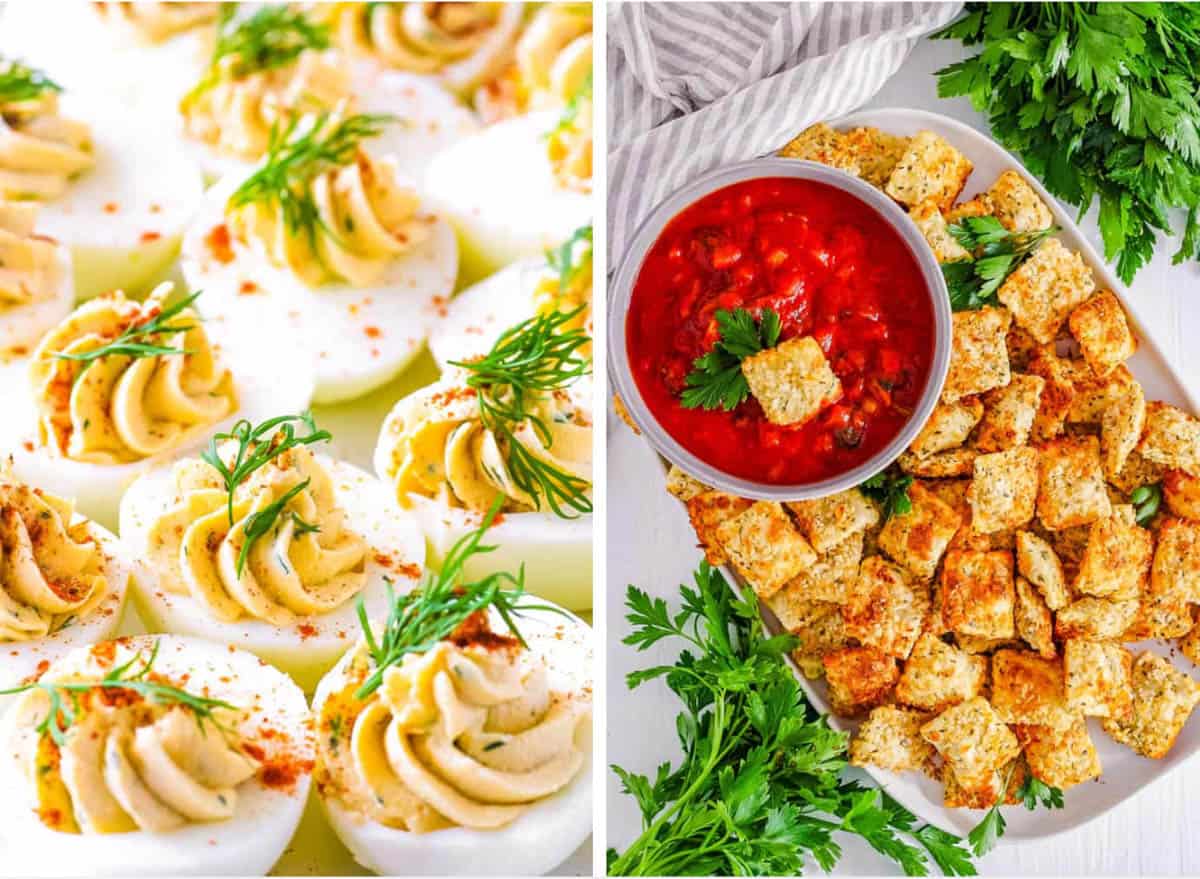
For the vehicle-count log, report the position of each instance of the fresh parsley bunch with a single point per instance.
(717, 380)
(1100, 101)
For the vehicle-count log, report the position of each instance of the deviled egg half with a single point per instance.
(112, 189)
(462, 752)
(36, 287)
(153, 756)
(120, 386)
(336, 243)
(544, 146)
(264, 544)
(63, 580)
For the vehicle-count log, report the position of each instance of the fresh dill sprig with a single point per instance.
(260, 524)
(19, 82)
(298, 153)
(571, 112)
(531, 359)
(442, 602)
(572, 257)
(138, 340)
(64, 695)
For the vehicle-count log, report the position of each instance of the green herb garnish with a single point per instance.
(570, 113)
(1146, 500)
(996, 254)
(572, 257)
(717, 380)
(528, 361)
(1033, 793)
(138, 340)
(64, 695)
(19, 82)
(889, 487)
(260, 524)
(759, 789)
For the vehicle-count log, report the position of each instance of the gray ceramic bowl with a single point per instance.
(621, 288)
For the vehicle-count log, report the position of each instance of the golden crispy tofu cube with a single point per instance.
(1094, 394)
(1176, 566)
(1015, 204)
(1058, 392)
(936, 230)
(1121, 426)
(823, 635)
(1009, 413)
(978, 594)
(917, 539)
(876, 153)
(986, 792)
(683, 485)
(828, 521)
(820, 143)
(792, 381)
(1103, 333)
(795, 611)
(1099, 677)
(885, 609)
(1138, 472)
(979, 354)
(1171, 438)
(938, 675)
(1027, 688)
(831, 578)
(948, 427)
(1116, 563)
(1046, 288)
(1096, 618)
(1004, 489)
(930, 170)
(941, 465)
(979, 206)
(1061, 758)
(1035, 623)
(859, 679)
(1181, 494)
(1163, 698)
(890, 738)
(707, 511)
(765, 547)
(1160, 617)
(1021, 346)
(1071, 490)
(1037, 561)
(972, 740)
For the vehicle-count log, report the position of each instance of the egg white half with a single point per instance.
(539, 840)
(498, 189)
(307, 649)
(360, 337)
(247, 844)
(23, 326)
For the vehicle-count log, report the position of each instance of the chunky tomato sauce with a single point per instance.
(833, 269)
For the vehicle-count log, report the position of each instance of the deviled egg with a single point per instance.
(62, 581)
(272, 551)
(178, 756)
(545, 150)
(120, 386)
(36, 287)
(469, 754)
(333, 240)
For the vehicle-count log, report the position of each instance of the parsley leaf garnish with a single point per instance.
(889, 487)
(717, 379)
(997, 253)
(1146, 500)
(19, 82)
(1033, 793)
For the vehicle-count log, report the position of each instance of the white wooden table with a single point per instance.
(651, 545)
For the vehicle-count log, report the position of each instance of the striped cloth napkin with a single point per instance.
(693, 86)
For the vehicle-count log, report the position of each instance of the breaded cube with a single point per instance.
(1099, 677)
(979, 355)
(972, 740)
(1116, 563)
(930, 170)
(1058, 393)
(936, 230)
(1071, 489)
(875, 152)
(986, 792)
(1061, 758)
(1103, 333)
(1021, 347)
(824, 634)
(1160, 617)
(1121, 426)
(765, 547)
(885, 609)
(820, 143)
(792, 381)
(683, 485)
(977, 593)
(828, 521)
(948, 427)
(890, 738)
(938, 675)
(1163, 698)
(942, 465)
(795, 611)
(1035, 623)
(979, 206)
(859, 678)
(1027, 688)
(1189, 644)
(1037, 561)
(1094, 394)
(1008, 413)
(1046, 288)
(1181, 494)
(1171, 437)
(707, 511)
(1015, 204)
(1096, 618)
(1176, 566)
(830, 579)
(1138, 472)
(918, 538)
(1004, 489)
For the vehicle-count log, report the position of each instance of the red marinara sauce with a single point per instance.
(833, 269)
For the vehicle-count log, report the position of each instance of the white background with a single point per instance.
(651, 545)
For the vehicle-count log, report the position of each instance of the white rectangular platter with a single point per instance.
(1125, 774)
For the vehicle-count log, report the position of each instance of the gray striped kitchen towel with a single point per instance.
(692, 86)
